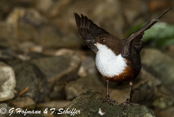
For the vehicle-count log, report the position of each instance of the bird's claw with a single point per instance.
(127, 102)
(109, 100)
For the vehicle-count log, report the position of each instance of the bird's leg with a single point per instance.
(128, 100)
(130, 92)
(107, 89)
(108, 99)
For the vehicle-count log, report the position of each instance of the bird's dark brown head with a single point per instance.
(112, 42)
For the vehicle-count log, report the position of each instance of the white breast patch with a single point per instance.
(107, 62)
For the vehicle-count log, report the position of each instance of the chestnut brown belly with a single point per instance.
(127, 75)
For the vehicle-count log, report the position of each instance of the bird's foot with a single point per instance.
(109, 100)
(126, 103)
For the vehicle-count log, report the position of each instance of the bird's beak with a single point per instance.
(91, 44)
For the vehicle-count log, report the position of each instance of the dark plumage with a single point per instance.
(129, 48)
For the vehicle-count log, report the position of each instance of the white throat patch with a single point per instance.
(107, 62)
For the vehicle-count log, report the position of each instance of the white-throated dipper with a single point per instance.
(116, 59)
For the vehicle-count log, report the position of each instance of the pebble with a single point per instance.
(7, 82)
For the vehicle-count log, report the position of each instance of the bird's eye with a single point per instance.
(103, 40)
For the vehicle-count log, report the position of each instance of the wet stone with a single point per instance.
(163, 102)
(75, 88)
(54, 104)
(90, 102)
(55, 68)
(145, 87)
(57, 92)
(30, 81)
(6, 53)
(30, 16)
(88, 65)
(159, 64)
(168, 112)
(58, 71)
(50, 37)
(7, 82)
(23, 102)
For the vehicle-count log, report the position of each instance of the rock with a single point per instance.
(6, 53)
(58, 71)
(30, 47)
(87, 67)
(54, 104)
(35, 55)
(28, 75)
(61, 68)
(159, 64)
(75, 88)
(44, 5)
(60, 5)
(163, 102)
(28, 25)
(52, 37)
(7, 82)
(145, 88)
(82, 72)
(64, 51)
(7, 7)
(164, 99)
(108, 10)
(30, 16)
(70, 52)
(170, 50)
(90, 102)
(23, 102)
(21, 25)
(66, 35)
(57, 91)
(6, 40)
(132, 9)
(168, 112)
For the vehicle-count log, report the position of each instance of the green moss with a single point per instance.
(90, 101)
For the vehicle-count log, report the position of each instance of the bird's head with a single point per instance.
(104, 40)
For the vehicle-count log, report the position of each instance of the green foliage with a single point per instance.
(161, 34)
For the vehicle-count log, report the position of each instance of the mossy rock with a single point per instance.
(90, 101)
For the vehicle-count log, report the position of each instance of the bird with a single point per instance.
(116, 59)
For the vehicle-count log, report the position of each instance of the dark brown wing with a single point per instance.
(88, 30)
(134, 40)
